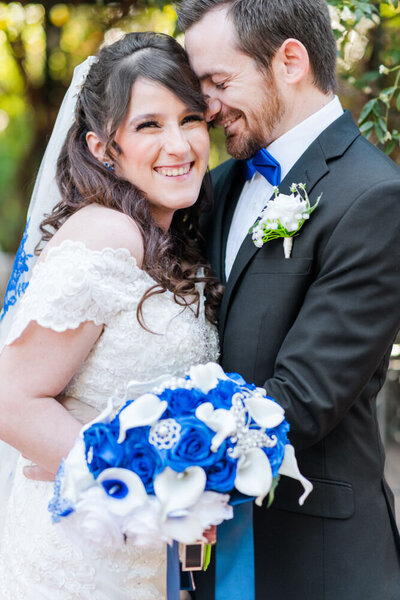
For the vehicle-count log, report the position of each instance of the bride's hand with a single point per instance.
(37, 473)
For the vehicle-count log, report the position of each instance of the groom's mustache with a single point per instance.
(223, 119)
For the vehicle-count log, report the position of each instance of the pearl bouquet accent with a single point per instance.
(283, 217)
(165, 466)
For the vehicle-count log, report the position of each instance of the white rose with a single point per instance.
(142, 525)
(289, 210)
(92, 526)
(212, 509)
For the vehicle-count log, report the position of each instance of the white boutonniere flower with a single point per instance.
(283, 217)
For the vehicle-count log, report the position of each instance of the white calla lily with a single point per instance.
(289, 467)
(205, 377)
(220, 420)
(254, 475)
(265, 412)
(77, 477)
(133, 493)
(145, 410)
(179, 491)
(137, 388)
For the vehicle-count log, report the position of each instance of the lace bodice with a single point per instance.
(75, 284)
(72, 285)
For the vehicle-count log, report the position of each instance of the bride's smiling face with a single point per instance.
(164, 149)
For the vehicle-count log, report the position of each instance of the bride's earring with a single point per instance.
(109, 166)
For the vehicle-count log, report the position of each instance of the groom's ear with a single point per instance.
(291, 62)
(96, 146)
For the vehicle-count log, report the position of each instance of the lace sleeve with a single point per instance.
(75, 284)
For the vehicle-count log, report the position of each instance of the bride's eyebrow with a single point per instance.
(143, 117)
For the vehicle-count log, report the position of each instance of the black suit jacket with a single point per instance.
(316, 331)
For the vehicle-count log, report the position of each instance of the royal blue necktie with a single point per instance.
(266, 164)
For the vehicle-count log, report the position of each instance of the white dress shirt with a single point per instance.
(256, 192)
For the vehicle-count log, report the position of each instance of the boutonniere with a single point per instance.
(283, 217)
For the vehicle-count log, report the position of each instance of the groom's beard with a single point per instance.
(258, 126)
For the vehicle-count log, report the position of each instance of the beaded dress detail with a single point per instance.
(72, 285)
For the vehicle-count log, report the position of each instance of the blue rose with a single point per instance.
(193, 447)
(141, 457)
(221, 395)
(182, 401)
(102, 450)
(221, 475)
(276, 453)
(241, 381)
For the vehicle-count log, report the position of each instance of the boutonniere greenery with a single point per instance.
(283, 217)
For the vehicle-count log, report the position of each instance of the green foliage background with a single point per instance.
(41, 43)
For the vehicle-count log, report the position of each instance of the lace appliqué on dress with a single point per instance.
(15, 287)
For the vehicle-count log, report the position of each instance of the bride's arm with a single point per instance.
(33, 371)
(77, 409)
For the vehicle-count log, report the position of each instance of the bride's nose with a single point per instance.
(176, 142)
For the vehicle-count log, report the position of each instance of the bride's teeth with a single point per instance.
(174, 172)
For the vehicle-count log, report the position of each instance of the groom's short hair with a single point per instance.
(263, 25)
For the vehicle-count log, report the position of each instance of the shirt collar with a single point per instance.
(288, 148)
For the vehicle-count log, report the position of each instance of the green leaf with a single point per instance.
(377, 109)
(367, 108)
(274, 485)
(382, 124)
(387, 94)
(207, 556)
(337, 33)
(379, 132)
(367, 126)
(398, 101)
(390, 147)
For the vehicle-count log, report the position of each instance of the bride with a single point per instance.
(119, 292)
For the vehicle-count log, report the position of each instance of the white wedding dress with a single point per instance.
(75, 284)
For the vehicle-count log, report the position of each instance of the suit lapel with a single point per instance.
(235, 191)
(227, 200)
(309, 169)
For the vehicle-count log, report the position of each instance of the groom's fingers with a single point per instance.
(38, 473)
(211, 534)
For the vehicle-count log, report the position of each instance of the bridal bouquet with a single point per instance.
(165, 466)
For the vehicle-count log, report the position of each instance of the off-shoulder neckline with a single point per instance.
(120, 252)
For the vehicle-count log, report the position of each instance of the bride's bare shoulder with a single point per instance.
(99, 227)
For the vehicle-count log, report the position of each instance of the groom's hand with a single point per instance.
(211, 534)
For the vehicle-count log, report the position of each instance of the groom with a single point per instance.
(316, 329)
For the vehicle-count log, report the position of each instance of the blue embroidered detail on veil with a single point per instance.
(15, 287)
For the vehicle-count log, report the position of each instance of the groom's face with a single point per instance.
(241, 98)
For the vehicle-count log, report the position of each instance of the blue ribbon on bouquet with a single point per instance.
(173, 572)
(234, 558)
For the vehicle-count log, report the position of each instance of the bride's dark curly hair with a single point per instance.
(172, 258)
